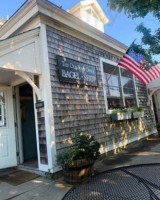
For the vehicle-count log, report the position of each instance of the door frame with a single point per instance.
(19, 139)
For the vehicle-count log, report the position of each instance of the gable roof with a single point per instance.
(95, 6)
(38, 8)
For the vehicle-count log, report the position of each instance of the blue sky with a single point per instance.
(120, 26)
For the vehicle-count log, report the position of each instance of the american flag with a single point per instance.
(137, 65)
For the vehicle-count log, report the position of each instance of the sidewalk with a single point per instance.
(143, 152)
(137, 178)
(37, 189)
(146, 151)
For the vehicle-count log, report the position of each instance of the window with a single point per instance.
(119, 87)
(128, 88)
(2, 109)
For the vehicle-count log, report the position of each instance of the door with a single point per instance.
(8, 156)
(28, 123)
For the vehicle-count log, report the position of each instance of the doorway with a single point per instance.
(26, 131)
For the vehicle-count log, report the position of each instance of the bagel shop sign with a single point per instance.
(76, 72)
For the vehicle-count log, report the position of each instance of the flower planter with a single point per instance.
(137, 115)
(79, 171)
(121, 116)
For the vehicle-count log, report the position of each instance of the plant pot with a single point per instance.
(137, 115)
(121, 116)
(79, 171)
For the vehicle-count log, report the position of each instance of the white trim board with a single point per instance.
(45, 85)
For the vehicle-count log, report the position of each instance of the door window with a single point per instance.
(2, 109)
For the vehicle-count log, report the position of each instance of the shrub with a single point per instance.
(84, 146)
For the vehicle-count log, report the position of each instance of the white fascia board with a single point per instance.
(24, 14)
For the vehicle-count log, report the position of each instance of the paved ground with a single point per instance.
(141, 153)
(141, 181)
(38, 189)
(128, 183)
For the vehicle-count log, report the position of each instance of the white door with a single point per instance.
(8, 156)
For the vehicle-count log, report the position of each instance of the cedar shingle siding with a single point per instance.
(83, 107)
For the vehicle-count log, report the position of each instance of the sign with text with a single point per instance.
(39, 104)
(76, 72)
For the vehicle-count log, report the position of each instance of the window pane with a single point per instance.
(114, 103)
(126, 73)
(127, 79)
(112, 80)
(114, 96)
(2, 110)
(113, 91)
(128, 92)
(112, 76)
(128, 88)
(130, 102)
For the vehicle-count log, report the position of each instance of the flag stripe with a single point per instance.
(152, 72)
(137, 67)
(134, 70)
(144, 81)
(129, 62)
(158, 69)
(136, 64)
(156, 73)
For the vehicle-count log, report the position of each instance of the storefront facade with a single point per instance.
(36, 45)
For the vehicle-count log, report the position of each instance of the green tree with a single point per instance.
(140, 8)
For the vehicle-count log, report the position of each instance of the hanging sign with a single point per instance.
(39, 104)
(76, 72)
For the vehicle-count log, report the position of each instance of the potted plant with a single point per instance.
(77, 160)
(118, 114)
(137, 112)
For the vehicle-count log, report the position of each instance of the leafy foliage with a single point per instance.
(132, 110)
(84, 146)
(65, 157)
(140, 8)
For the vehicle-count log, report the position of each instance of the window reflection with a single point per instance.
(2, 109)
(128, 88)
(116, 80)
(112, 78)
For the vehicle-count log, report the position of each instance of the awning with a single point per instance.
(20, 53)
(20, 60)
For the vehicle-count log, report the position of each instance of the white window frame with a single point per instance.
(102, 61)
